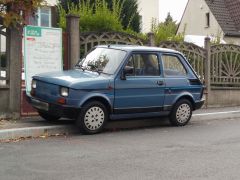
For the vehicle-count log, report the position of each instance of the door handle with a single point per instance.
(160, 83)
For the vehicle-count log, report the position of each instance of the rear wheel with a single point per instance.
(181, 113)
(47, 116)
(92, 117)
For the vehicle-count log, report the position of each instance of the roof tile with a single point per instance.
(227, 14)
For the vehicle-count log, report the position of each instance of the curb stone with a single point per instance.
(16, 133)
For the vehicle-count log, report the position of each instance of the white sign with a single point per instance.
(42, 51)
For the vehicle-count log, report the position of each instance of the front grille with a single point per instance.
(46, 91)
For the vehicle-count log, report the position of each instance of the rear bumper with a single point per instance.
(54, 109)
(199, 104)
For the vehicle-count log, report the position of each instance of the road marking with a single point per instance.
(214, 113)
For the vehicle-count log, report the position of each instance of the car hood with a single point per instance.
(76, 79)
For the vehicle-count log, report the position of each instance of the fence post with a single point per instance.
(207, 66)
(15, 67)
(151, 41)
(73, 42)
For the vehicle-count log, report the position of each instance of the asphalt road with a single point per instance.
(207, 148)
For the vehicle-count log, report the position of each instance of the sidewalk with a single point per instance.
(36, 127)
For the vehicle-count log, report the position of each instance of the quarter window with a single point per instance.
(144, 65)
(173, 66)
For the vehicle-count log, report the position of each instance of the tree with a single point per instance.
(166, 31)
(169, 19)
(131, 18)
(12, 12)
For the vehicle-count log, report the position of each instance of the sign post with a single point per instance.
(42, 52)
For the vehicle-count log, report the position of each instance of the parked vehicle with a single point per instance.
(116, 82)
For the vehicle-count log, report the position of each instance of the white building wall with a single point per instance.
(52, 2)
(194, 19)
(149, 10)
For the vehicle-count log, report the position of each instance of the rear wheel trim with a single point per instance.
(183, 113)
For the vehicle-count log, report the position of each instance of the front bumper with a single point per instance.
(199, 104)
(54, 109)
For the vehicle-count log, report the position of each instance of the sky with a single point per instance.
(175, 7)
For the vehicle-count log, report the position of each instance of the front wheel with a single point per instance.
(92, 118)
(181, 113)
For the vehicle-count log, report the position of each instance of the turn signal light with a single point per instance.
(61, 101)
(32, 92)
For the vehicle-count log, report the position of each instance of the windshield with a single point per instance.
(103, 60)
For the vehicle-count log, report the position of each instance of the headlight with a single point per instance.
(34, 84)
(64, 91)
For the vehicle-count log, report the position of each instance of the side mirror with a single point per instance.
(126, 70)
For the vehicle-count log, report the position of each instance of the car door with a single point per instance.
(143, 90)
(176, 78)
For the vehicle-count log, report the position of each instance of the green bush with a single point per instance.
(94, 18)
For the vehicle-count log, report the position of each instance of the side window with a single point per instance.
(144, 65)
(173, 66)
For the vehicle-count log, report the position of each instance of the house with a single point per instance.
(217, 18)
(148, 11)
(45, 16)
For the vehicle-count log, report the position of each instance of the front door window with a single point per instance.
(144, 65)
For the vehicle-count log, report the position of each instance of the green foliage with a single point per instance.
(217, 39)
(166, 31)
(130, 16)
(138, 35)
(12, 11)
(94, 18)
(126, 11)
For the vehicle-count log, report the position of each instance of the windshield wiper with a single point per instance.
(95, 68)
(80, 66)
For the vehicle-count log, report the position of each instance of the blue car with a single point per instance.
(119, 82)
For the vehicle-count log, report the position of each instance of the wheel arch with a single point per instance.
(106, 102)
(188, 97)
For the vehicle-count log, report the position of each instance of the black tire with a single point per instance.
(181, 113)
(48, 117)
(92, 118)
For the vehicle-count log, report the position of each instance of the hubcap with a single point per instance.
(183, 113)
(94, 118)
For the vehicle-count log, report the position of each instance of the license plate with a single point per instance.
(40, 105)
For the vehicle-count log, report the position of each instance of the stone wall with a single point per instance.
(224, 98)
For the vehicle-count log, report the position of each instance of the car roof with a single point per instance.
(137, 48)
